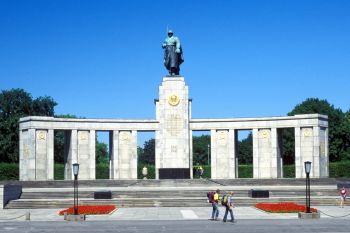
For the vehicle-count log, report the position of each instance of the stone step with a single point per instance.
(160, 202)
(176, 183)
(174, 194)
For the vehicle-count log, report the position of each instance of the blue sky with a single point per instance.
(103, 59)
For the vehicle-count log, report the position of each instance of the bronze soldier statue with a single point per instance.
(173, 56)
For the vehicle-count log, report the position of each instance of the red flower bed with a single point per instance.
(90, 209)
(283, 207)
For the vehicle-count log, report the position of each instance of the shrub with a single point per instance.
(245, 170)
(151, 172)
(102, 171)
(9, 171)
(59, 171)
(288, 171)
(339, 169)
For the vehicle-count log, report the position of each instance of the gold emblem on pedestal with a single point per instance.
(222, 137)
(41, 135)
(173, 100)
(124, 136)
(265, 133)
(83, 135)
(307, 132)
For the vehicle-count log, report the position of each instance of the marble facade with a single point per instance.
(173, 129)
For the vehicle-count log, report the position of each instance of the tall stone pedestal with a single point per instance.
(173, 114)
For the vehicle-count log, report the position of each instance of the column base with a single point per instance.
(302, 215)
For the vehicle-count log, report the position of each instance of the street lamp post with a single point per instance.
(76, 172)
(307, 171)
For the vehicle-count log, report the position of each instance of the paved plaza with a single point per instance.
(169, 213)
(202, 226)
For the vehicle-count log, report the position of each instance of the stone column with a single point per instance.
(114, 156)
(304, 150)
(173, 113)
(255, 153)
(50, 154)
(1, 197)
(191, 154)
(27, 155)
(232, 154)
(324, 152)
(158, 148)
(71, 153)
(223, 154)
(86, 154)
(266, 156)
(297, 163)
(279, 152)
(316, 153)
(213, 154)
(133, 154)
(236, 152)
(44, 161)
(127, 155)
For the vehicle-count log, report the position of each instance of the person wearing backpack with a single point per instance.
(227, 201)
(214, 204)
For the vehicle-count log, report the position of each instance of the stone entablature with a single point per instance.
(83, 124)
(173, 130)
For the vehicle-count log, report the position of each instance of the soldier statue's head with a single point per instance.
(170, 33)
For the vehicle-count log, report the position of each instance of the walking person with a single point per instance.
(343, 194)
(229, 208)
(215, 202)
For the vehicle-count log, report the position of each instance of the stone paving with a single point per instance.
(164, 213)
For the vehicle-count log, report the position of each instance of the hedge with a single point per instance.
(339, 169)
(10, 171)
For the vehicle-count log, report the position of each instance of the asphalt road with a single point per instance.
(271, 226)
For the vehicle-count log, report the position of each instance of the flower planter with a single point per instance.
(89, 210)
(283, 207)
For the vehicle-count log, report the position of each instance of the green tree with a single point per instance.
(147, 153)
(337, 142)
(200, 149)
(102, 155)
(345, 132)
(245, 150)
(288, 146)
(14, 104)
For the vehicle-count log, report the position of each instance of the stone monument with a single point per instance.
(173, 137)
(173, 129)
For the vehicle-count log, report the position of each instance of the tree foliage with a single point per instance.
(336, 121)
(14, 104)
(245, 150)
(200, 149)
(288, 145)
(102, 155)
(147, 153)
